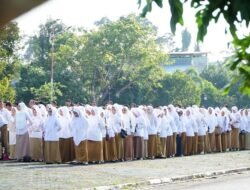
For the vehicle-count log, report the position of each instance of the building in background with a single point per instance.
(186, 60)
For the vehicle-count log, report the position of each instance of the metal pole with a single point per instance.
(52, 68)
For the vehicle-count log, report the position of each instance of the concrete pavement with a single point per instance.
(27, 176)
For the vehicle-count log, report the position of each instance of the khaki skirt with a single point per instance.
(128, 148)
(81, 152)
(112, 154)
(67, 149)
(22, 146)
(36, 149)
(247, 141)
(95, 152)
(52, 152)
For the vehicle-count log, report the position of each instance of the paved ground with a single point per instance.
(27, 176)
(228, 182)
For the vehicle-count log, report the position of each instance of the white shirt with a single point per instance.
(94, 132)
(51, 128)
(79, 128)
(36, 129)
(65, 132)
(21, 120)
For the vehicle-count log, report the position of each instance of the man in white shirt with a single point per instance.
(5, 115)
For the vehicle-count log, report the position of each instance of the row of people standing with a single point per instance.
(93, 134)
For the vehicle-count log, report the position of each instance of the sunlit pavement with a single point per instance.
(27, 176)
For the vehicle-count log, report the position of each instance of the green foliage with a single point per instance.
(43, 93)
(235, 13)
(9, 62)
(7, 92)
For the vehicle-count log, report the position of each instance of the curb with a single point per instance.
(173, 179)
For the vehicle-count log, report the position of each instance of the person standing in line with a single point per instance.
(94, 137)
(144, 113)
(128, 141)
(247, 142)
(152, 133)
(35, 134)
(66, 142)
(242, 136)
(51, 128)
(212, 123)
(3, 125)
(139, 134)
(189, 122)
(79, 128)
(175, 117)
(22, 120)
(235, 124)
(202, 130)
(12, 134)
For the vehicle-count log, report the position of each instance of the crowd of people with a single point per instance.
(91, 134)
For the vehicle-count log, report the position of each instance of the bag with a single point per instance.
(217, 130)
(123, 133)
(107, 135)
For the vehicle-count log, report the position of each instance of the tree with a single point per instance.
(9, 61)
(167, 42)
(235, 13)
(185, 39)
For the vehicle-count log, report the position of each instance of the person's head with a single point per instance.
(13, 111)
(124, 110)
(246, 112)
(68, 102)
(50, 111)
(61, 112)
(8, 106)
(188, 112)
(113, 110)
(32, 103)
(75, 114)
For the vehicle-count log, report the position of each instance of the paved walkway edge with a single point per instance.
(173, 179)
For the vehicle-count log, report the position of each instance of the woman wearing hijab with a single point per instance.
(51, 128)
(104, 134)
(189, 123)
(242, 136)
(235, 124)
(116, 123)
(109, 125)
(22, 120)
(139, 134)
(12, 134)
(66, 142)
(175, 117)
(164, 125)
(128, 141)
(94, 136)
(152, 133)
(247, 116)
(202, 130)
(35, 134)
(79, 128)
(220, 130)
(212, 122)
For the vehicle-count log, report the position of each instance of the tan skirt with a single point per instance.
(235, 138)
(36, 149)
(4, 137)
(128, 148)
(112, 154)
(212, 145)
(22, 146)
(201, 144)
(224, 141)
(152, 149)
(81, 152)
(105, 149)
(207, 148)
(95, 152)
(174, 143)
(119, 146)
(163, 146)
(67, 149)
(247, 141)
(138, 147)
(218, 143)
(195, 143)
(52, 152)
(158, 146)
(12, 149)
(169, 146)
(229, 138)
(145, 149)
(242, 141)
(189, 145)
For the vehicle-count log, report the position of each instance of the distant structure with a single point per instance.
(186, 60)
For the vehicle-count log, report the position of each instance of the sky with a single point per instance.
(84, 13)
